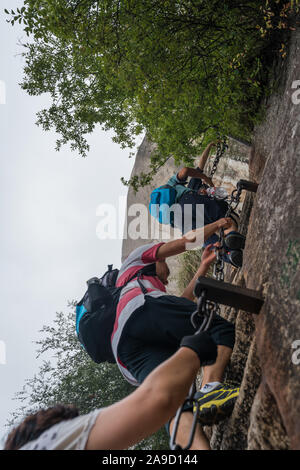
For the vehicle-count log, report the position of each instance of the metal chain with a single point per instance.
(203, 317)
(222, 146)
(219, 264)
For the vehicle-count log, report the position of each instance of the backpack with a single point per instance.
(96, 313)
(161, 199)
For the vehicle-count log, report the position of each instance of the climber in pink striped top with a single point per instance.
(132, 298)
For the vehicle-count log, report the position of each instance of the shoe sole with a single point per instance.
(236, 258)
(214, 414)
(235, 242)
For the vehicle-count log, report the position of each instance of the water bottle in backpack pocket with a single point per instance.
(219, 193)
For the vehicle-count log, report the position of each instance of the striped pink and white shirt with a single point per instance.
(132, 297)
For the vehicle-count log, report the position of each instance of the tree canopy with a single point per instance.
(180, 71)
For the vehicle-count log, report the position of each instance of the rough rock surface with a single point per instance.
(274, 232)
(267, 413)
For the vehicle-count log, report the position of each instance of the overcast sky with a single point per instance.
(48, 240)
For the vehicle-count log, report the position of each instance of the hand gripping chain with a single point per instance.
(222, 146)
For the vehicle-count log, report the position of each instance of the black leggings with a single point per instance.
(154, 332)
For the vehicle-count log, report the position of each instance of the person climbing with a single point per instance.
(150, 325)
(200, 193)
(126, 422)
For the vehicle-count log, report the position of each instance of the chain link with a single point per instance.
(222, 146)
(207, 308)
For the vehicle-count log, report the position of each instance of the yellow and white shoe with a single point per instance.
(215, 405)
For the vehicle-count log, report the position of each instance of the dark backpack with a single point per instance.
(96, 313)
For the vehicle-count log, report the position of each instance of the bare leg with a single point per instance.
(204, 156)
(232, 227)
(215, 372)
(200, 441)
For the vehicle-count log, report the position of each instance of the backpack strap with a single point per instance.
(143, 288)
(144, 270)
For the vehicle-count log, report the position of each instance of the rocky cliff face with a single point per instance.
(267, 413)
(149, 229)
(264, 362)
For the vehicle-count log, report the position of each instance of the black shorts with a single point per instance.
(154, 332)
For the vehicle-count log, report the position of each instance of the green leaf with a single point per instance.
(167, 73)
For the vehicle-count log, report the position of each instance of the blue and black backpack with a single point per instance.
(96, 313)
(161, 199)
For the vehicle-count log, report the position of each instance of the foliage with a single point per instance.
(178, 70)
(189, 263)
(70, 377)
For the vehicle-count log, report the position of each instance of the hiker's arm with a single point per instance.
(175, 247)
(149, 407)
(205, 155)
(198, 172)
(207, 259)
(186, 172)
